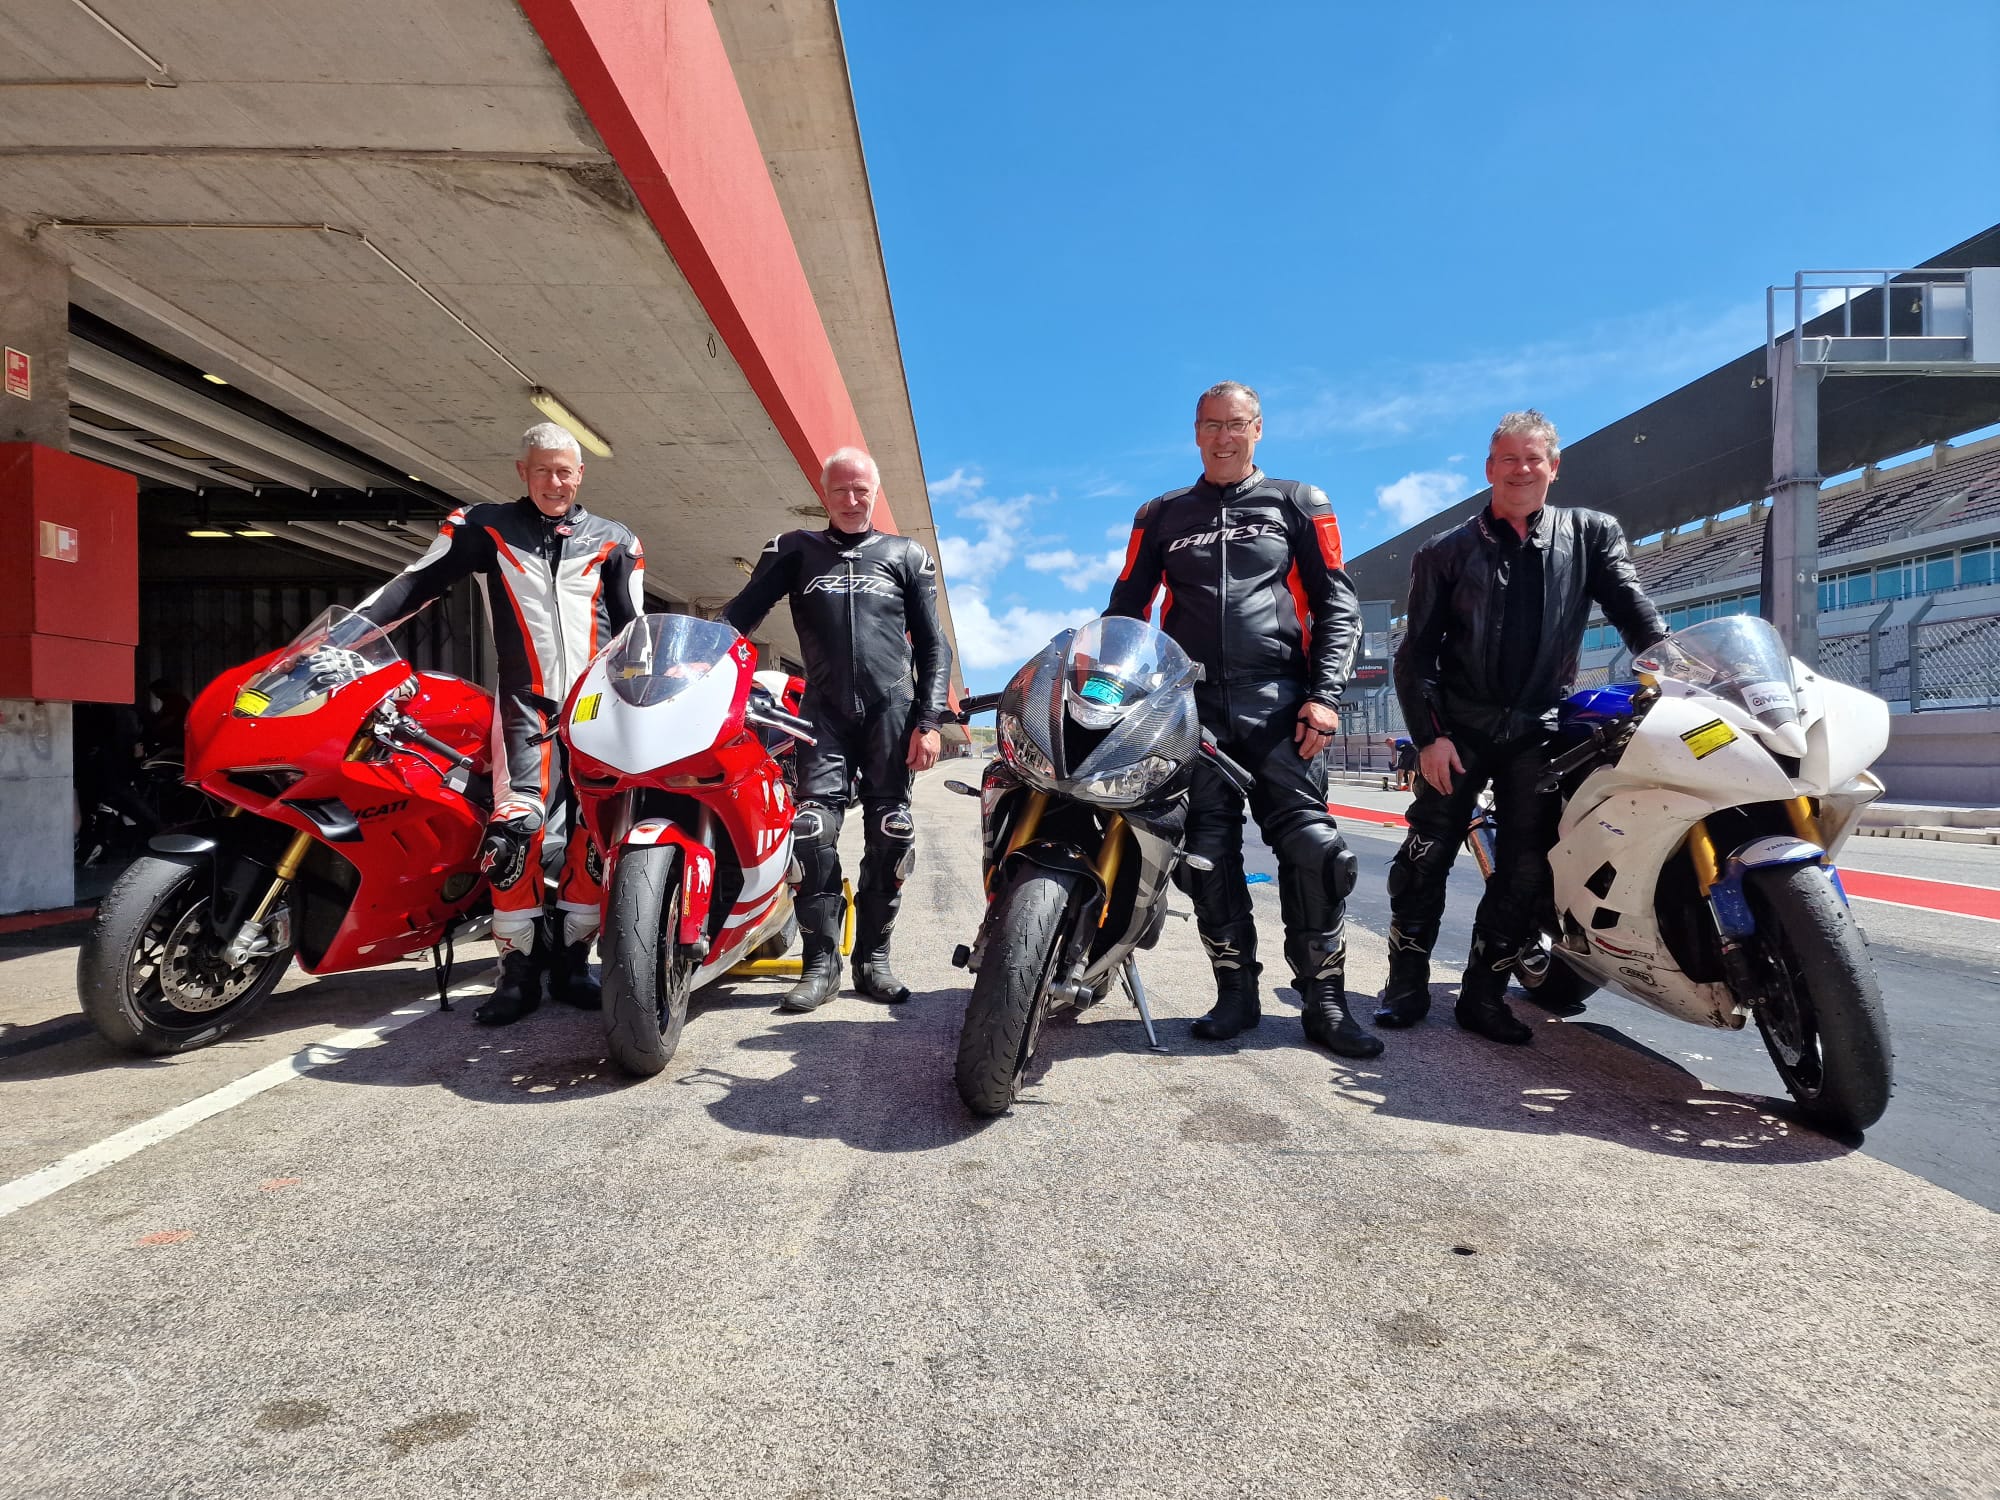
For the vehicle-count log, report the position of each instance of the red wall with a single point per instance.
(656, 83)
(67, 628)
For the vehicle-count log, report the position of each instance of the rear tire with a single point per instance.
(646, 977)
(1826, 1009)
(1003, 1015)
(150, 974)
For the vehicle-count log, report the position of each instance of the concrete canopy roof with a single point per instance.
(406, 217)
(1706, 448)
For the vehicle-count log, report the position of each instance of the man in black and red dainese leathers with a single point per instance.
(1256, 595)
(558, 582)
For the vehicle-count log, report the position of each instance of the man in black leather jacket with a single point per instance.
(559, 581)
(1257, 596)
(864, 603)
(1497, 612)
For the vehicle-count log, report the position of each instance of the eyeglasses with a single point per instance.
(1235, 426)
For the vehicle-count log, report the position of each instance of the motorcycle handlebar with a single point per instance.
(967, 707)
(1229, 768)
(784, 723)
(1602, 736)
(414, 732)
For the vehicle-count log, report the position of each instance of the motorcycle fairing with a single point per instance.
(697, 870)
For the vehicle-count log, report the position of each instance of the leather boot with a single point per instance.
(1236, 1009)
(1406, 999)
(1323, 998)
(570, 979)
(1232, 950)
(1482, 1007)
(518, 992)
(875, 920)
(819, 976)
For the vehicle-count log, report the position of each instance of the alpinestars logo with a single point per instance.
(1222, 954)
(849, 583)
(1227, 534)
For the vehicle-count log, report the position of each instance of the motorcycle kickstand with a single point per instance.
(1137, 991)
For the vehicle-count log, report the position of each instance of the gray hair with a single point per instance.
(1229, 388)
(1533, 424)
(552, 437)
(849, 456)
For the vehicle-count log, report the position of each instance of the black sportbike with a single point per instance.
(1082, 815)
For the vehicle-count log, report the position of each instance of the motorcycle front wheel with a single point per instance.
(1009, 993)
(1822, 1016)
(646, 976)
(151, 974)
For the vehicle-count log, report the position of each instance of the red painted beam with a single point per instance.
(655, 81)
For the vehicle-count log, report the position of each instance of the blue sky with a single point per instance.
(1395, 221)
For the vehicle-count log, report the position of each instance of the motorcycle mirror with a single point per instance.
(961, 788)
(459, 780)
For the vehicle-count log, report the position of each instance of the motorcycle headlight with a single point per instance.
(1020, 751)
(1129, 784)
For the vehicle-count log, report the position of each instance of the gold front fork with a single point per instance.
(288, 867)
(1109, 854)
(1701, 850)
(1024, 830)
(1804, 824)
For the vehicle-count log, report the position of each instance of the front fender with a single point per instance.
(697, 870)
(1062, 858)
(1732, 911)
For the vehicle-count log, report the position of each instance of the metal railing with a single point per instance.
(1927, 664)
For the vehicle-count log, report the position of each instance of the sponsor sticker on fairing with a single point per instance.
(1763, 697)
(1705, 739)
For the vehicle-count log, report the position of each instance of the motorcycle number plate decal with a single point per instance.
(1706, 739)
(250, 702)
(586, 708)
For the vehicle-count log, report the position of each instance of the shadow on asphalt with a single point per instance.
(1578, 1077)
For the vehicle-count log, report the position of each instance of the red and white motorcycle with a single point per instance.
(667, 733)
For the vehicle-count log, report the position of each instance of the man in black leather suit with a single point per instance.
(864, 603)
(1497, 612)
(1257, 596)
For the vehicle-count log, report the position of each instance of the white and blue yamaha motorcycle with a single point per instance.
(1704, 807)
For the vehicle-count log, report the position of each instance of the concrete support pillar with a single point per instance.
(34, 322)
(37, 806)
(1793, 566)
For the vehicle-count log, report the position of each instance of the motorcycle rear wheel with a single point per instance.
(1009, 993)
(1823, 1021)
(151, 975)
(647, 978)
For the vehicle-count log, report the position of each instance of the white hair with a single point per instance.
(849, 456)
(551, 436)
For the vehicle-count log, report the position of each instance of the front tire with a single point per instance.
(646, 978)
(1004, 1013)
(1823, 1020)
(151, 975)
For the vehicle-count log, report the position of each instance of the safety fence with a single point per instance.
(1927, 664)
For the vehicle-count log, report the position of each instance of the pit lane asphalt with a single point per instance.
(477, 1263)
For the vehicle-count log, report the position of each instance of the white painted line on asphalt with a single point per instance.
(113, 1149)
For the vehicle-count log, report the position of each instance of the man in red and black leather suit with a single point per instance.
(1257, 597)
(559, 582)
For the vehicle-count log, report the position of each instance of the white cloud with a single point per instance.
(1826, 299)
(957, 482)
(987, 640)
(1079, 573)
(1652, 350)
(1424, 493)
(974, 560)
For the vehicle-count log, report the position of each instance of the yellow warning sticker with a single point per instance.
(250, 702)
(586, 708)
(1706, 739)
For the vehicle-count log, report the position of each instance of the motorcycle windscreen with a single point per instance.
(1740, 658)
(1124, 713)
(658, 657)
(1114, 665)
(336, 649)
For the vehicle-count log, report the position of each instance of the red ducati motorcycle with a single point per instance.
(358, 791)
(669, 735)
